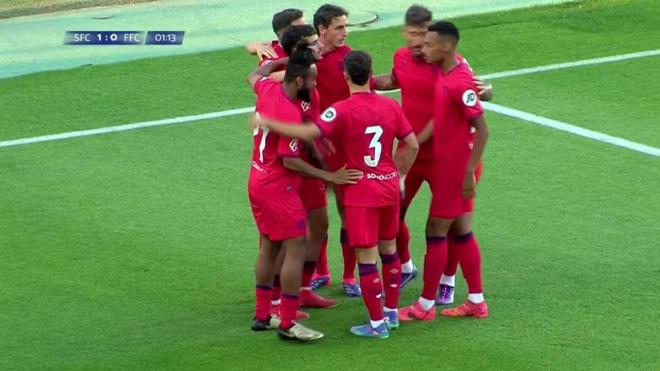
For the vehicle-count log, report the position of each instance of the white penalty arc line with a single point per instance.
(576, 130)
(238, 111)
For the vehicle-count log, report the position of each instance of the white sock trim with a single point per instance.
(448, 280)
(426, 303)
(476, 298)
(386, 309)
(275, 302)
(407, 267)
(375, 324)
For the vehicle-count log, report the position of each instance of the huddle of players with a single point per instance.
(441, 137)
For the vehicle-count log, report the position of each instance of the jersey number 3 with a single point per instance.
(377, 132)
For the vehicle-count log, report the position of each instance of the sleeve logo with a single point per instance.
(329, 115)
(293, 145)
(470, 98)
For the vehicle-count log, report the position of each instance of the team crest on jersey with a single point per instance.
(329, 115)
(293, 144)
(470, 98)
(305, 106)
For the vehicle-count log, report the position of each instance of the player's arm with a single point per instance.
(484, 89)
(386, 82)
(426, 133)
(481, 138)
(279, 75)
(307, 131)
(406, 156)
(265, 71)
(341, 176)
(263, 50)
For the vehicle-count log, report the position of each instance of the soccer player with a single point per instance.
(370, 122)
(458, 152)
(331, 23)
(281, 22)
(273, 192)
(312, 189)
(415, 77)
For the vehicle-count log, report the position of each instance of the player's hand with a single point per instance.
(346, 176)
(469, 185)
(266, 52)
(483, 87)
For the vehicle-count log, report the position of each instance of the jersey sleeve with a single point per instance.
(330, 122)
(466, 97)
(262, 84)
(288, 147)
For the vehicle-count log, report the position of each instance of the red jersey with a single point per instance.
(369, 122)
(456, 103)
(330, 82)
(269, 178)
(332, 88)
(280, 54)
(416, 78)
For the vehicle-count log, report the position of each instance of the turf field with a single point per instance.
(135, 250)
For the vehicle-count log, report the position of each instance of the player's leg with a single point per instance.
(434, 263)
(351, 288)
(461, 226)
(469, 256)
(362, 225)
(391, 263)
(413, 182)
(317, 230)
(264, 272)
(275, 300)
(277, 287)
(321, 276)
(294, 260)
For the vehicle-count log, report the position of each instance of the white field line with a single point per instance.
(562, 126)
(238, 111)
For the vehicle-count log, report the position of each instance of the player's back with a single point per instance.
(371, 122)
(268, 176)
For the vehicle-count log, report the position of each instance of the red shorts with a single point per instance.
(368, 225)
(312, 193)
(447, 201)
(280, 219)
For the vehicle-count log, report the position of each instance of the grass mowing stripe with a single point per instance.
(562, 126)
(238, 111)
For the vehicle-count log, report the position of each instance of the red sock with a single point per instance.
(262, 307)
(403, 241)
(434, 263)
(372, 290)
(308, 272)
(288, 310)
(470, 258)
(391, 279)
(277, 289)
(322, 268)
(349, 256)
(452, 256)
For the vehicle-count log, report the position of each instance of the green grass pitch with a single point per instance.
(136, 250)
